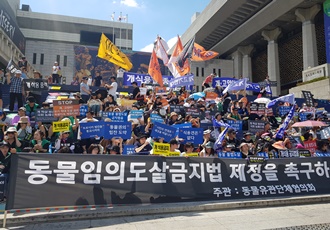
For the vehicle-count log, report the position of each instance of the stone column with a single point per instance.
(237, 59)
(307, 16)
(273, 64)
(246, 62)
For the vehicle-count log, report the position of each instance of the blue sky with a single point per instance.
(168, 18)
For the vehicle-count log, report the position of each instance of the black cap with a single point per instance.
(31, 99)
(85, 78)
(247, 134)
(4, 144)
(173, 142)
(115, 148)
(231, 131)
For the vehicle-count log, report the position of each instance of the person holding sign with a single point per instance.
(64, 140)
(143, 146)
(16, 90)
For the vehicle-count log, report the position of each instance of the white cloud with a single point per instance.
(130, 3)
(172, 42)
(148, 48)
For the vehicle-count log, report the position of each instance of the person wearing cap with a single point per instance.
(112, 88)
(16, 90)
(21, 113)
(95, 104)
(77, 96)
(11, 138)
(114, 150)
(5, 162)
(31, 107)
(245, 150)
(174, 145)
(188, 148)
(229, 148)
(142, 145)
(64, 140)
(212, 106)
(56, 73)
(207, 150)
(24, 130)
(173, 119)
(231, 138)
(247, 138)
(84, 89)
(207, 136)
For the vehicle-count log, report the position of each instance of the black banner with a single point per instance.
(309, 100)
(46, 180)
(35, 85)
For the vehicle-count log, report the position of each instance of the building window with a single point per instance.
(42, 59)
(65, 61)
(219, 72)
(202, 72)
(58, 59)
(197, 88)
(34, 61)
(197, 71)
(214, 71)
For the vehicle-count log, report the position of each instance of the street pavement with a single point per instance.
(314, 216)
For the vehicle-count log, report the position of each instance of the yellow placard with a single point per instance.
(55, 87)
(191, 155)
(161, 148)
(61, 97)
(126, 102)
(60, 126)
(173, 154)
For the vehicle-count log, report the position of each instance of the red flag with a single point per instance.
(200, 54)
(154, 69)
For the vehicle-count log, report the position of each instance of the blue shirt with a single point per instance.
(16, 84)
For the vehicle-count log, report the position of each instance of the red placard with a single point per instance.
(66, 108)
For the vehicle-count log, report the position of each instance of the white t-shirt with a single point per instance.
(113, 90)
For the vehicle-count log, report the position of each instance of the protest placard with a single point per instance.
(67, 107)
(83, 110)
(186, 80)
(161, 148)
(60, 126)
(45, 115)
(325, 133)
(193, 135)
(311, 146)
(163, 131)
(115, 116)
(256, 126)
(135, 114)
(194, 112)
(35, 84)
(191, 155)
(156, 118)
(309, 100)
(176, 108)
(128, 149)
(237, 125)
(118, 129)
(91, 129)
(283, 110)
(143, 91)
(230, 155)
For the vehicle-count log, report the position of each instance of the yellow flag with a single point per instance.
(108, 51)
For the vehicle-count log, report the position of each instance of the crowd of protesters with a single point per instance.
(23, 133)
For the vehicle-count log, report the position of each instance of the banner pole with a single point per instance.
(4, 219)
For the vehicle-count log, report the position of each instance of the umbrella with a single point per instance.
(196, 96)
(309, 123)
(263, 100)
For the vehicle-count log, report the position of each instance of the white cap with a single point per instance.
(18, 72)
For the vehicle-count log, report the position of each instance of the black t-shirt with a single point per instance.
(5, 160)
(135, 92)
(98, 80)
(146, 148)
